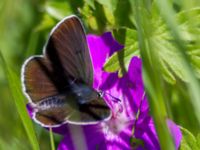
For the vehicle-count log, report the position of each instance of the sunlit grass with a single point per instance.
(15, 88)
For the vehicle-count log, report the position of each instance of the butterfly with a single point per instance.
(58, 84)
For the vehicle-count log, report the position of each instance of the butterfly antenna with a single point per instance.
(114, 99)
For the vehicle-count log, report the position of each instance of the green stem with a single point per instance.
(51, 139)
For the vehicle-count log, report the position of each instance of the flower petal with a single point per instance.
(175, 132)
(29, 109)
(101, 47)
(95, 139)
(131, 88)
(91, 135)
(146, 131)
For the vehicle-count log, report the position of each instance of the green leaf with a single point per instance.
(109, 17)
(87, 14)
(135, 143)
(190, 31)
(120, 60)
(110, 4)
(46, 23)
(182, 46)
(188, 142)
(90, 3)
(164, 44)
(58, 9)
(96, 18)
(151, 73)
(124, 14)
(198, 140)
(169, 56)
(16, 91)
(167, 74)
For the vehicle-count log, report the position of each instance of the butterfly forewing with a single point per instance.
(67, 48)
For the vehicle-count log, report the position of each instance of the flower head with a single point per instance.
(115, 133)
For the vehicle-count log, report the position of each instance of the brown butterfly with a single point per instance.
(59, 83)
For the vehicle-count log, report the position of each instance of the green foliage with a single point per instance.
(58, 9)
(119, 61)
(51, 139)
(189, 141)
(165, 34)
(136, 142)
(46, 23)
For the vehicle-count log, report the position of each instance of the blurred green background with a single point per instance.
(165, 34)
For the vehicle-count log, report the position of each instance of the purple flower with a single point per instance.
(115, 134)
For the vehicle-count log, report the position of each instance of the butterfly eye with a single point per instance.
(100, 94)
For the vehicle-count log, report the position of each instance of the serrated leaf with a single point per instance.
(58, 9)
(163, 44)
(184, 146)
(189, 23)
(168, 76)
(188, 142)
(168, 54)
(198, 140)
(120, 60)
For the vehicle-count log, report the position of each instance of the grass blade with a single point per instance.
(15, 88)
(51, 139)
(151, 76)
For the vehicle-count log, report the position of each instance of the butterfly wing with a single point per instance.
(39, 79)
(88, 113)
(54, 110)
(66, 58)
(67, 48)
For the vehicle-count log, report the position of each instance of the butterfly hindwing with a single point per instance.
(90, 112)
(54, 111)
(39, 79)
